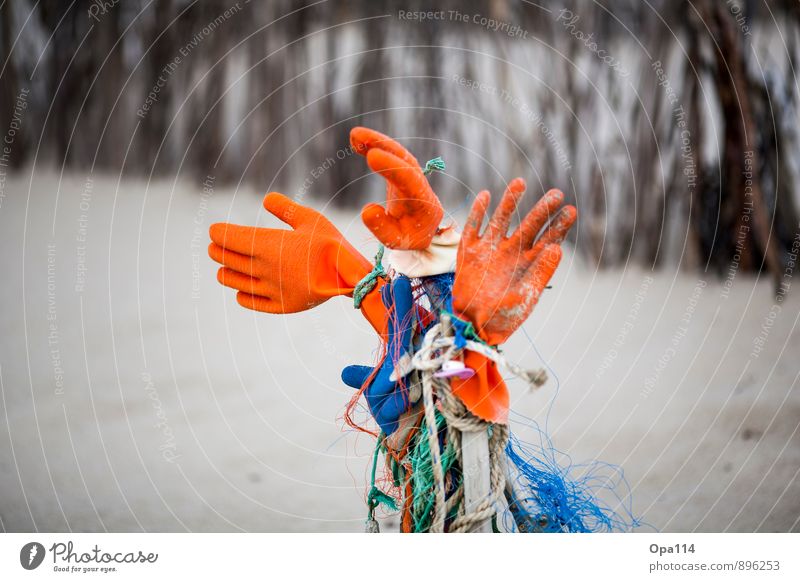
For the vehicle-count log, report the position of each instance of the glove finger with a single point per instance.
(241, 239)
(232, 259)
(476, 214)
(541, 270)
(287, 210)
(364, 139)
(557, 231)
(382, 225)
(389, 410)
(355, 376)
(399, 301)
(538, 216)
(258, 302)
(411, 193)
(240, 281)
(498, 225)
(403, 297)
(381, 387)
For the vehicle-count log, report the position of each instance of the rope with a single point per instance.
(437, 348)
(464, 330)
(368, 283)
(426, 359)
(421, 478)
(436, 454)
(436, 164)
(376, 496)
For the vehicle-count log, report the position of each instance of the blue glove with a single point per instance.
(388, 399)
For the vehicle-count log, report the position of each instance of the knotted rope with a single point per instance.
(436, 164)
(369, 281)
(437, 348)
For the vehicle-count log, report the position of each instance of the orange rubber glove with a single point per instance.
(286, 271)
(498, 282)
(499, 278)
(485, 394)
(413, 212)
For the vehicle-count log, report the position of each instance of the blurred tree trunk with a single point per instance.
(401, 76)
(259, 85)
(160, 43)
(105, 108)
(693, 256)
(205, 119)
(747, 220)
(371, 95)
(649, 180)
(85, 79)
(11, 86)
(64, 89)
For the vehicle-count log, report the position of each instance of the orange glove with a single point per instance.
(498, 282)
(499, 278)
(485, 394)
(413, 212)
(286, 271)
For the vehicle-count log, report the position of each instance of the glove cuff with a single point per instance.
(485, 394)
(374, 311)
(438, 258)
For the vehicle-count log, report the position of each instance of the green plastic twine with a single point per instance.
(422, 480)
(436, 164)
(375, 496)
(467, 328)
(368, 283)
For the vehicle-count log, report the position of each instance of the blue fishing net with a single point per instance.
(553, 494)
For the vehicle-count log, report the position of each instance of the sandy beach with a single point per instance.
(138, 396)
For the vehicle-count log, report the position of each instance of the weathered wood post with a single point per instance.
(476, 467)
(475, 461)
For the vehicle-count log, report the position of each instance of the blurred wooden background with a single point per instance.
(672, 124)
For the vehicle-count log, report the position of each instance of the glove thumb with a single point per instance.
(355, 376)
(383, 225)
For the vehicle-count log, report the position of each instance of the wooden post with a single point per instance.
(476, 467)
(475, 462)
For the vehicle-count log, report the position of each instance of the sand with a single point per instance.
(137, 395)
